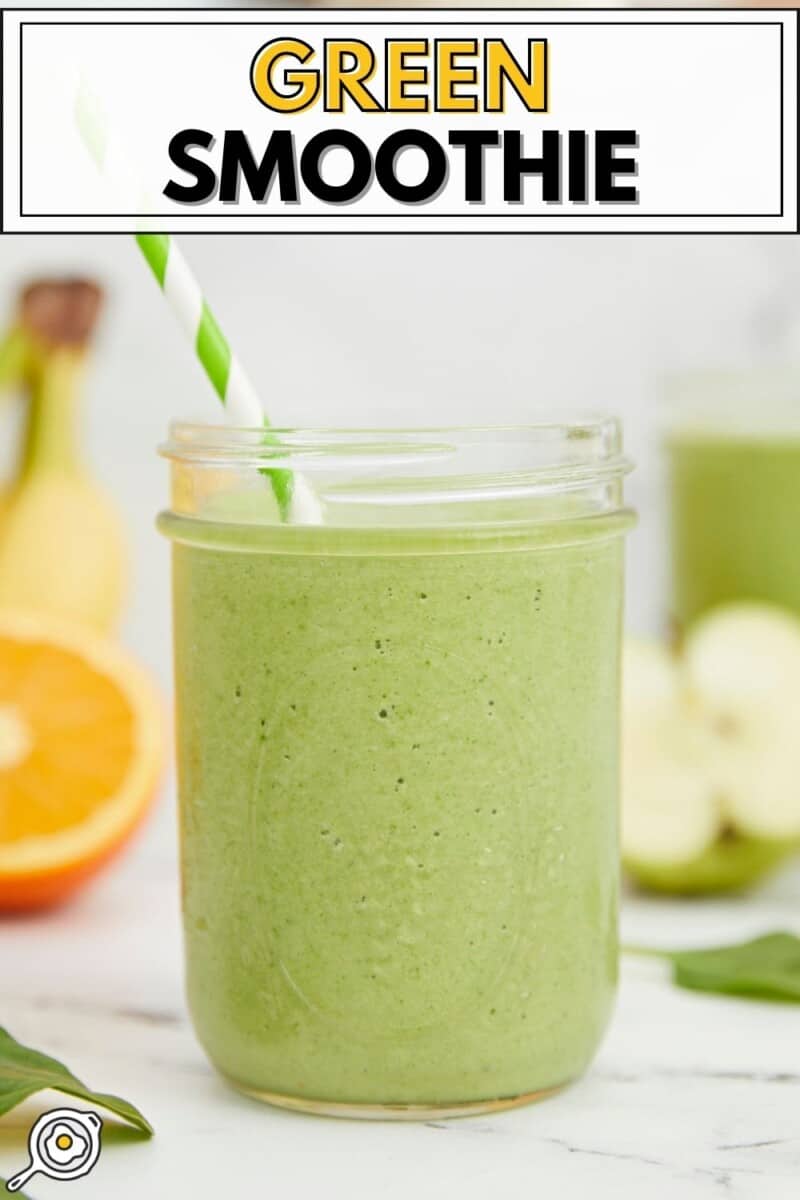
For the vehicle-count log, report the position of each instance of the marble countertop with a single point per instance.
(691, 1097)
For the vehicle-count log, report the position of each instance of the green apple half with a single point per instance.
(711, 752)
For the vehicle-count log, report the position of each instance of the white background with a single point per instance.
(704, 99)
(418, 330)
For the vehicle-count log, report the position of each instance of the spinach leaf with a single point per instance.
(765, 968)
(24, 1071)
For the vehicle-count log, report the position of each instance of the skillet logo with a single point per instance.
(64, 1143)
(403, 79)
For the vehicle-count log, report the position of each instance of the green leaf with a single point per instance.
(766, 968)
(24, 1071)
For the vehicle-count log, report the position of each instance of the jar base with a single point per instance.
(394, 1112)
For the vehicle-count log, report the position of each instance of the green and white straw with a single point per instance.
(295, 497)
(184, 296)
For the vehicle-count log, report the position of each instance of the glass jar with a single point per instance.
(733, 453)
(397, 722)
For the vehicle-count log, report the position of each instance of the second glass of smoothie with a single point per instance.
(398, 760)
(733, 450)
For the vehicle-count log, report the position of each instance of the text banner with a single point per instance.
(494, 121)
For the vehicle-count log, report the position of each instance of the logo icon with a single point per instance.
(63, 1144)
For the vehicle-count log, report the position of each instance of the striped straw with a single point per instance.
(242, 407)
(295, 498)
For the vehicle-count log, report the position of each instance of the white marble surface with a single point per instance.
(692, 1097)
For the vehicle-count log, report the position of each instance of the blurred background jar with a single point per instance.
(733, 461)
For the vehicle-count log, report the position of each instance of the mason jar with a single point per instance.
(733, 455)
(397, 676)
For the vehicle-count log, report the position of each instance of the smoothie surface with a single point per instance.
(398, 777)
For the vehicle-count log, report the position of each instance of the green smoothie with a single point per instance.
(735, 517)
(398, 790)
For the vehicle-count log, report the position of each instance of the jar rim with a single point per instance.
(591, 441)
(754, 401)
(544, 472)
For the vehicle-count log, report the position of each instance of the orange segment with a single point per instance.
(81, 745)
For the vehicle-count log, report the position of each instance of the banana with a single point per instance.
(62, 546)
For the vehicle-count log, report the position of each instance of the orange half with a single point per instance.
(81, 749)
